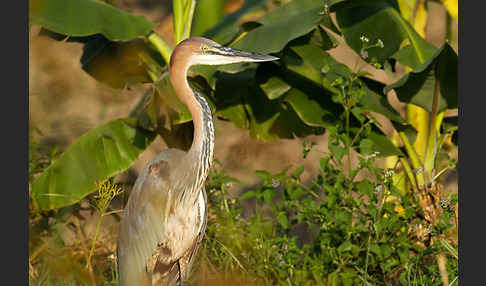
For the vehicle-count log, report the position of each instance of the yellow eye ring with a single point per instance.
(204, 48)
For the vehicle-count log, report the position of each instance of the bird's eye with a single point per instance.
(204, 49)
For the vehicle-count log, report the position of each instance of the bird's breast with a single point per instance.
(183, 225)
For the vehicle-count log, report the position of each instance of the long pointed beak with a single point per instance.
(243, 56)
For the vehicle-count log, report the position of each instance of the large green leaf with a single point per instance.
(309, 93)
(271, 33)
(381, 20)
(374, 100)
(378, 142)
(87, 17)
(207, 14)
(282, 25)
(98, 154)
(120, 64)
(239, 98)
(308, 110)
(229, 28)
(417, 87)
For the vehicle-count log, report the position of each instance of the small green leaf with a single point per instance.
(268, 195)
(366, 146)
(345, 246)
(337, 150)
(275, 88)
(283, 220)
(264, 175)
(247, 195)
(375, 248)
(298, 172)
(365, 187)
(382, 144)
(324, 163)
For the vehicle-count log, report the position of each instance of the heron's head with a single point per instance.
(202, 51)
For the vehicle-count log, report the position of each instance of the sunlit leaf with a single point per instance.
(229, 27)
(380, 20)
(310, 111)
(239, 98)
(375, 100)
(417, 87)
(282, 25)
(87, 17)
(452, 7)
(275, 87)
(377, 142)
(207, 14)
(100, 153)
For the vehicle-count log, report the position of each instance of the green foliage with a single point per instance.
(207, 14)
(335, 230)
(382, 20)
(417, 86)
(99, 154)
(87, 17)
(282, 25)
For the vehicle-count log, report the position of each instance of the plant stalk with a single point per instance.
(414, 158)
(431, 148)
(188, 16)
(410, 174)
(161, 46)
(98, 226)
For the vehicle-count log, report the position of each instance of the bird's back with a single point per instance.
(157, 235)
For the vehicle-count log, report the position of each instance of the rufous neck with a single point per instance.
(203, 139)
(178, 76)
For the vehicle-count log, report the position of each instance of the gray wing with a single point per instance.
(142, 224)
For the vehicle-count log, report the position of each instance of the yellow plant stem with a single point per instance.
(452, 7)
(162, 46)
(431, 148)
(98, 226)
(178, 13)
(419, 118)
(408, 170)
(414, 158)
(188, 16)
(391, 161)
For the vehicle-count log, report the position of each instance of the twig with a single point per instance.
(441, 262)
(85, 249)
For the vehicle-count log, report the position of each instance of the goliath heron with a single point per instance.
(165, 217)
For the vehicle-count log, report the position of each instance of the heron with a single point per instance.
(164, 220)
